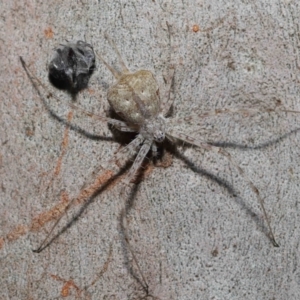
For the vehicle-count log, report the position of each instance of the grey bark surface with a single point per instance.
(196, 229)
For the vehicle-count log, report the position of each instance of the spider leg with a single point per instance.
(127, 240)
(197, 119)
(167, 95)
(115, 73)
(122, 155)
(167, 99)
(120, 125)
(44, 243)
(129, 150)
(135, 166)
(200, 143)
(121, 61)
(138, 161)
(56, 102)
(154, 149)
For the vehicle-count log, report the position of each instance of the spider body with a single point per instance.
(135, 98)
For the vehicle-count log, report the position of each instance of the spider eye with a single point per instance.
(159, 137)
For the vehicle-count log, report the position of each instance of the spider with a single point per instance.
(135, 98)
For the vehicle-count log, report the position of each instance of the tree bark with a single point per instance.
(193, 223)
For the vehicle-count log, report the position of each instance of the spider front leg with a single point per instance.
(128, 150)
(115, 73)
(200, 143)
(114, 46)
(138, 161)
(77, 112)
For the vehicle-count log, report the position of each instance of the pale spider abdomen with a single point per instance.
(135, 97)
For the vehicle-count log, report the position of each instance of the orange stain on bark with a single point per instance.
(51, 214)
(1, 242)
(65, 291)
(89, 191)
(91, 91)
(49, 33)
(16, 233)
(64, 146)
(196, 28)
(68, 284)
